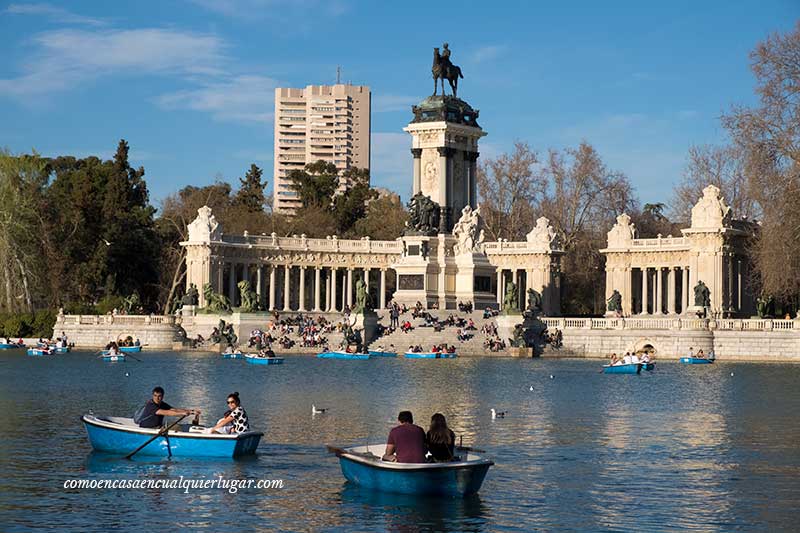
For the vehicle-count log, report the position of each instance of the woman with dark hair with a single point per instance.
(440, 439)
(235, 419)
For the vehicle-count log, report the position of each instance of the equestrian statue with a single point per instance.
(443, 69)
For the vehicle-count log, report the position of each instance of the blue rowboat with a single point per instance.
(113, 434)
(382, 353)
(118, 358)
(648, 366)
(40, 351)
(130, 349)
(362, 465)
(237, 355)
(259, 360)
(62, 349)
(430, 355)
(696, 361)
(10, 346)
(342, 355)
(631, 368)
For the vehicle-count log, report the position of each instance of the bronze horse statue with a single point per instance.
(449, 72)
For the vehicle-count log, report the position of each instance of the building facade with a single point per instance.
(321, 122)
(667, 275)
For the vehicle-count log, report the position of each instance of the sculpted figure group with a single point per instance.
(423, 215)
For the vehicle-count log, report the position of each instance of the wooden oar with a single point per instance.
(338, 452)
(159, 434)
(470, 449)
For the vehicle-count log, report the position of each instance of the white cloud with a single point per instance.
(54, 13)
(487, 53)
(392, 102)
(391, 162)
(238, 99)
(273, 9)
(68, 58)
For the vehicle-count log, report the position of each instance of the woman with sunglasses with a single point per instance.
(235, 419)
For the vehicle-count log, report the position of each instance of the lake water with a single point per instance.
(684, 447)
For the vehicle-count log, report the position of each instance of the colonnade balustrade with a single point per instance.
(292, 288)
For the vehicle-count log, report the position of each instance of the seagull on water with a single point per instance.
(498, 414)
(315, 411)
(106, 242)
(531, 389)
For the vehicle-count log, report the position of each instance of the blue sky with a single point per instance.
(189, 83)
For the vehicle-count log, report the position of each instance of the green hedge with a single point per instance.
(37, 324)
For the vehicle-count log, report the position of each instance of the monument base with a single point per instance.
(367, 324)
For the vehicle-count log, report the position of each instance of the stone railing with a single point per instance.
(660, 243)
(118, 320)
(331, 244)
(514, 247)
(677, 323)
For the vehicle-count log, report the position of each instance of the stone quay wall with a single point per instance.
(96, 331)
(670, 337)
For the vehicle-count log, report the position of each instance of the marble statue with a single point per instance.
(468, 231)
(622, 233)
(711, 211)
(205, 227)
(543, 236)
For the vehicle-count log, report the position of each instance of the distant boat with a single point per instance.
(696, 360)
(117, 358)
(362, 465)
(56, 349)
(630, 368)
(113, 434)
(430, 355)
(260, 360)
(338, 354)
(40, 351)
(10, 346)
(130, 349)
(236, 355)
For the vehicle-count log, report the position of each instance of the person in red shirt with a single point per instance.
(406, 442)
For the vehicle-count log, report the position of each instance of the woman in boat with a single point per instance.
(440, 439)
(234, 420)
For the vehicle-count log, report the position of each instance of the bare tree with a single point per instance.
(510, 187)
(723, 166)
(769, 136)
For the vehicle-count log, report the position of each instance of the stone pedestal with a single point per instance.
(367, 324)
(506, 324)
(532, 329)
(418, 271)
(188, 310)
(474, 280)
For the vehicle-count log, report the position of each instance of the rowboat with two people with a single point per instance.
(40, 351)
(630, 368)
(699, 359)
(6, 344)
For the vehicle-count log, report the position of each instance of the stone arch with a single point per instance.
(645, 344)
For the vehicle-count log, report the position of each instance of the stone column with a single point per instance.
(687, 288)
(333, 290)
(317, 271)
(416, 153)
(500, 287)
(287, 274)
(328, 291)
(246, 272)
(472, 159)
(272, 287)
(260, 287)
(301, 302)
(645, 291)
(349, 288)
(445, 193)
(515, 277)
(739, 286)
(657, 286)
(671, 291)
(232, 284)
(382, 295)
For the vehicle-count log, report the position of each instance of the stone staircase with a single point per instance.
(426, 336)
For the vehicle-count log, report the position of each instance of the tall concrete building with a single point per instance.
(327, 122)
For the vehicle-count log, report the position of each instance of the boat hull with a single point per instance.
(430, 355)
(696, 361)
(63, 349)
(114, 358)
(130, 349)
(108, 436)
(648, 366)
(264, 360)
(6, 346)
(425, 479)
(343, 355)
(381, 353)
(39, 351)
(232, 356)
(632, 368)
